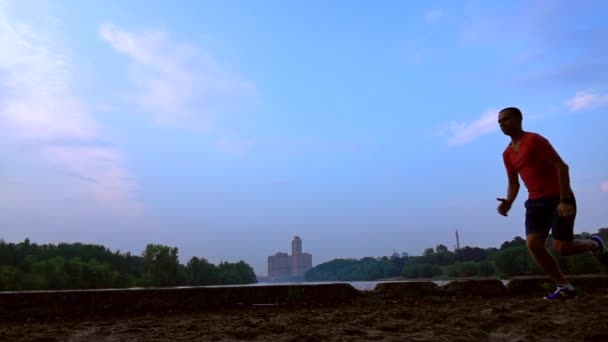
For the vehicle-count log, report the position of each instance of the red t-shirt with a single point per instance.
(531, 162)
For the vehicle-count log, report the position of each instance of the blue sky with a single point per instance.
(226, 128)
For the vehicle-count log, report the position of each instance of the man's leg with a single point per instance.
(544, 259)
(576, 246)
(563, 236)
(539, 220)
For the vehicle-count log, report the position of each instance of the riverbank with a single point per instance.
(466, 310)
(518, 318)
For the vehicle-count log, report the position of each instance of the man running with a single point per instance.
(550, 204)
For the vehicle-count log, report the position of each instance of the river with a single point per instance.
(359, 285)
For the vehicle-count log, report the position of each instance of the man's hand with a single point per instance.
(565, 209)
(504, 206)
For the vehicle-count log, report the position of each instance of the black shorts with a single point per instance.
(542, 217)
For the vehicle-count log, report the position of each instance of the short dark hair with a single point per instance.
(513, 111)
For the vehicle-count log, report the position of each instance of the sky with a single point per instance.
(226, 128)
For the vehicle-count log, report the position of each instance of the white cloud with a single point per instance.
(177, 83)
(604, 186)
(587, 100)
(465, 132)
(39, 110)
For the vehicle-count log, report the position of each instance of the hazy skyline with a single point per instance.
(227, 128)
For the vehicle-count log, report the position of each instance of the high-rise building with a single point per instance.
(279, 265)
(295, 265)
(296, 245)
(300, 263)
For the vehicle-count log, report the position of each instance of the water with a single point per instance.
(362, 285)
(359, 285)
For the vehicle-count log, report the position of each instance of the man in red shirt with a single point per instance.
(550, 205)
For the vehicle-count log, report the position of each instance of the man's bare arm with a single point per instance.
(563, 176)
(513, 188)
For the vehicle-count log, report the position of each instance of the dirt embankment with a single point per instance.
(462, 311)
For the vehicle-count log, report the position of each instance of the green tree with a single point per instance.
(471, 254)
(236, 273)
(515, 261)
(517, 241)
(415, 270)
(486, 268)
(463, 269)
(441, 249)
(201, 272)
(8, 278)
(161, 265)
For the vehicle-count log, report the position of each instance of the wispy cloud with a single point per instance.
(587, 100)
(604, 186)
(177, 83)
(38, 109)
(465, 132)
(541, 50)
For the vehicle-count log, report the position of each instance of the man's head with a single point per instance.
(510, 119)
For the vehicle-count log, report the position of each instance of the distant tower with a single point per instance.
(300, 262)
(296, 246)
(457, 240)
(282, 265)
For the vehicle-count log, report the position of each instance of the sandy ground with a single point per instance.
(521, 318)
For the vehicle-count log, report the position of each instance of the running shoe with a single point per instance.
(561, 293)
(602, 252)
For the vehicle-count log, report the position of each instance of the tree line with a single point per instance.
(30, 266)
(511, 259)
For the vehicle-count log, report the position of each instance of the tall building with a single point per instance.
(279, 265)
(282, 265)
(296, 246)
(300, 262)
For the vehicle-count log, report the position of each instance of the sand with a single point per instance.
(515, 318)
